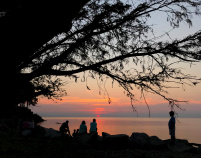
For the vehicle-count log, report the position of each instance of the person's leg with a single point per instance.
(172, 142)
(173, 139)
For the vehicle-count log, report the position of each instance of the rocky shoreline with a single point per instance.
(138, 140)
(47, 142)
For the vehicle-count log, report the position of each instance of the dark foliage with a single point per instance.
(101, 37)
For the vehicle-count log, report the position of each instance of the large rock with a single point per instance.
(155, 142)
(3, 127)
(104, 134)
(52, 133)
(39, 132)
(116, 139)
(26, 132)
(199, 149)
(139, 139)
(181, 145)
(87, 138)
(42, 132)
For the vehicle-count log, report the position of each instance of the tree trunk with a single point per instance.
(25, 29)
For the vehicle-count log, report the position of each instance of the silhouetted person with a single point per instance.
(27, 127)
(83, 128)
(171, 125)
(93, 126)
(64, 129)
(77, 132)
(74, 133)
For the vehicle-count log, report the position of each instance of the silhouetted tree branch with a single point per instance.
(99, 36)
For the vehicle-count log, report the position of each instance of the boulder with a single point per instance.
(139, 139)
(116, 139)
(104, 134)
(52, 133)
(199, 149)
(42, 132)
(27, 132)
(181, 145)
(155, 142)
(87, 138)
(38, 132)
(3, 127)
(99, 138)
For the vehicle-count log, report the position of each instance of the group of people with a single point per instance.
(64, 129)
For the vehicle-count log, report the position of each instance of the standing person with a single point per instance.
(93, 126)
(83, 128)
(64, 129)
(171, 125)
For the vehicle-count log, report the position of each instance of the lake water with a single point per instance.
(186, 128)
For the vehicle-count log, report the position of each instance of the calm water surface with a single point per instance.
(186, 128)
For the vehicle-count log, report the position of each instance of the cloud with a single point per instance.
(98, 105)
(78, 100)
(195, 102)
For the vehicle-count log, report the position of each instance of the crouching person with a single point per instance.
(64, 129)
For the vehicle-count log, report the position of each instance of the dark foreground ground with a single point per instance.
(15, 146)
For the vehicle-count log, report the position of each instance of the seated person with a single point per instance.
(74, 133)
(83, 128)
(93, 126)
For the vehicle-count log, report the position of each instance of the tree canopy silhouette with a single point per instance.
(105, 37)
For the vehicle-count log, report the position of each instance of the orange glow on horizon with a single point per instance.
(99, 111)
(78, 100)
(94, 102)
(104, 102)
(97, 105)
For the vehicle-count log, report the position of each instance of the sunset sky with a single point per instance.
(83, 102)
(94, 102)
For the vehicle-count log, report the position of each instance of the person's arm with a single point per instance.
(69, 131)
(172, 123)
(169, 124)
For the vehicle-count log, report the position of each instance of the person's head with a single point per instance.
(171, 113)
(67, 121)
(83, 122)
(94, 120)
